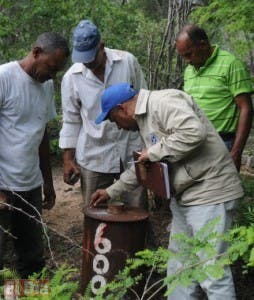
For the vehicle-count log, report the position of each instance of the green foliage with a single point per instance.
(4, 275)
(229, 21)
(245, 214)
(127, 27)
(122, 26)
(54, 147)
(197, 257)
(241, 237)
(242, 244)
(188, 254)
(137, 26)
(54, 127)
(61, 286)
(23, 20)
(193, 267)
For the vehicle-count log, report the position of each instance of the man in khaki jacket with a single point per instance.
(205, 182)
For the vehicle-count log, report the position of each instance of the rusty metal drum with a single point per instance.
(111, 235)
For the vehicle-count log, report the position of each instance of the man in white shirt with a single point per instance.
(26, 105)
(97, 153)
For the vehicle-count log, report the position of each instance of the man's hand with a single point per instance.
(143, 156)
(71, 172)
(98, 197)
(49, 196)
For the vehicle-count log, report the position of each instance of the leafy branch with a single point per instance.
(197, 257)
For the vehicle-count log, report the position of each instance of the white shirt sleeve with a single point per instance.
(71, 115)
(127, 183)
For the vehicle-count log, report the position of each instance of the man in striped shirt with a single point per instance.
(220, 84)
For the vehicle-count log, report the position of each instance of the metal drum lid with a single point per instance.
(116, 212)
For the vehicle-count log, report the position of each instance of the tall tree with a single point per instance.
(166, 65)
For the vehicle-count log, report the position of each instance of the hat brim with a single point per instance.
(84, 56)
(102, 117)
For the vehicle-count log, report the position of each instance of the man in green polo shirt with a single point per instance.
(220, 84)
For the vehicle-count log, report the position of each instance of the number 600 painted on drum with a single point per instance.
(100, 262)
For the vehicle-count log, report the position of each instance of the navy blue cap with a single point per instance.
(114, 95)
(86, 41)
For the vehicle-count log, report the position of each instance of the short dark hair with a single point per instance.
(50, 41)
(194, 32)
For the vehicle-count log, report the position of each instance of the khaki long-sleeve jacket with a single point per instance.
(173, 128)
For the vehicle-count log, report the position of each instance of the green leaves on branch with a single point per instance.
(242, 244)
(230, 23)
(60, 285)
(194, 260)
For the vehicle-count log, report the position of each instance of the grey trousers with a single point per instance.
(190, 219)
(91, 181)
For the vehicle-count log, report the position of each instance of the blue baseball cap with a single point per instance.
(114, 95)
(86, 41)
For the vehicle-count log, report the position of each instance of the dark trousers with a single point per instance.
(228, 139)
(28, 244)
(229, 143)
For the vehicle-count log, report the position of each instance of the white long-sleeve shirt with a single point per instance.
(99, 148)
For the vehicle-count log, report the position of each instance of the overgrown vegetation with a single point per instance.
(228, 21)
(140, 277)
(147, 29)
(60, 286)
(240, 238)
(241, 241)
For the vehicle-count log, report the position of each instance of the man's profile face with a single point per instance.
(193, 54)
(122, 120)
(46, 65)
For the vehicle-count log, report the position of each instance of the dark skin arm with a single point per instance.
(45, 166)
(99, 196)
(243, 128)
(71, 172)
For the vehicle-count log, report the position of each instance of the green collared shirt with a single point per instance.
(214, 86)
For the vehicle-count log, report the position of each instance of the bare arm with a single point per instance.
(98, 197)
(244, 125)
(71, 171)
(45, 166)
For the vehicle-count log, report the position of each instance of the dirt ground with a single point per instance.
(66, 221)
(66, 213)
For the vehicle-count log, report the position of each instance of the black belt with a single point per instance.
(227, 135)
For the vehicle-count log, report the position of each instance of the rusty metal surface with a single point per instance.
(109, 238)
(127, 214)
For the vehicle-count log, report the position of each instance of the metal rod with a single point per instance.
(133, 162)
